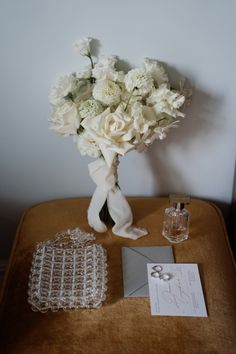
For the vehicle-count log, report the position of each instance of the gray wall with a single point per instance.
(195, 38)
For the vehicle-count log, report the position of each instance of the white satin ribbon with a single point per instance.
(105, 178)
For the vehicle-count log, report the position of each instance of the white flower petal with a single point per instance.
(90, 108)
(87, 145)
(139, 81)
(83, 46)
(65, 119)
(111, 131)
(156, 70)
(107, 92)
(166, 101)
(105, 69)
(65, 85)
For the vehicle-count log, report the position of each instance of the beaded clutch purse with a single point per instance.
(68, 272)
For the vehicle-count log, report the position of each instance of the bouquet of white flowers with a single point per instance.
(110, 113)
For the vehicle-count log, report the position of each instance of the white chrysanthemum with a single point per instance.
(139, 79)
(90, 108)
(105, 69)
(166, 101)
(87, 145)
(156, 70)
(65, 119)
(83, 46)
(107, 92)
(66, 85)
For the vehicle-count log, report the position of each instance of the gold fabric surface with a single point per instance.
(122, 326)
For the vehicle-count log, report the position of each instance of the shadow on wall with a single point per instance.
(200, 124)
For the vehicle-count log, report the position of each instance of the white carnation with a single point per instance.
(166, 101)
(139, 79)
(90, 108)
(156, 70)
(107, 92)
(65, 86)
(65, 119)
(83, 46)
(86, 73)
(105, 69)
(87, 145)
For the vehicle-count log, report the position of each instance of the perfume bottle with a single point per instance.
(176, 219)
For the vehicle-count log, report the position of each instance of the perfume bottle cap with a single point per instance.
(179, 200)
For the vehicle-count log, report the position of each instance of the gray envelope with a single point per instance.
(134, 264)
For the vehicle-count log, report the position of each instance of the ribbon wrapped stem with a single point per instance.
(108, 192)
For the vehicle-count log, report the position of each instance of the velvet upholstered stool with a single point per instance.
(122, 325)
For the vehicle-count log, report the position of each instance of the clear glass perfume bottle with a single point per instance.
(176, 220)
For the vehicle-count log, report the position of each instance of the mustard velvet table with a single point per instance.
(122, 326)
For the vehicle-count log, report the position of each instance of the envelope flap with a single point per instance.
(134, 263)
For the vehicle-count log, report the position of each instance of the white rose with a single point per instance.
(65, 86)
(166, 101)
(87, 145)
(83, 46)
(112, 132)
(156, 70)
(107, 92)
(105, 69)
(139, 81)
(65, 119)
(90, 108)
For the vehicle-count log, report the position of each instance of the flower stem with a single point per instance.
(92, 79)
(91, 60)
(131, 94)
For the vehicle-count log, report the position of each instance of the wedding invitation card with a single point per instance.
(176, 290)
